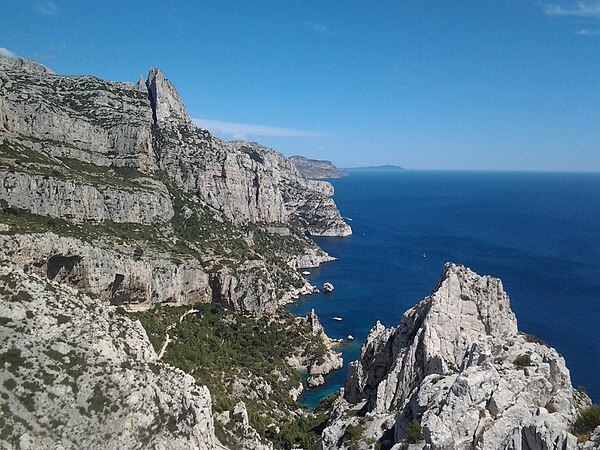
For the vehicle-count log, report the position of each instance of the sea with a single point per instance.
(537, 231)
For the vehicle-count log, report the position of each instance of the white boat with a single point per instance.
(337, 318)
(306, 272)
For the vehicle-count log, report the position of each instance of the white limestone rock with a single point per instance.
(457, 364)
(80, 202)
(119, 277)
(165, 99)
(241, 431)
(315, 380)
(330, 361)
(81, 117)
(68, 144)
(77, 375)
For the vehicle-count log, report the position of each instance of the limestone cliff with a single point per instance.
(127, 158)
(109, 188)
(75, 374)
(457, 365)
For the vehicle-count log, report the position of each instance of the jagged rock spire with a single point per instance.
(141, 82)
(165, 100)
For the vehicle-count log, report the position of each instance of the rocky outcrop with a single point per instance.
(314, 168)
(242, 291)
(111, 124)
(237, 426)
(81, 117)
(243, 180)
(124, 275)
(310, 258)
(330, 360)
(165, 100)
(77, 375)
(247, 181)
(78, 202)
(110, 188)
(458, 366)
(87, 151)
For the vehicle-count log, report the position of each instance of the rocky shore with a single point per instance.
(457, 374)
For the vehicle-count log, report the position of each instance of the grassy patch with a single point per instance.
(219, 348)
(586, 422)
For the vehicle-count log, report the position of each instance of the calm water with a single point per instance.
(538, 232)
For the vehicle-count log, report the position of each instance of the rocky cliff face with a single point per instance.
(245, 181)
(109, 188)
(119, 275)
(457, 365)
(79, 202)
(94, 152)
(142, 127)
(314, 168)
(80, 117)
(77, 375)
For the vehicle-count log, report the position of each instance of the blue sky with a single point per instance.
(485, 84)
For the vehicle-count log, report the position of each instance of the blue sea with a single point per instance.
(538, 232)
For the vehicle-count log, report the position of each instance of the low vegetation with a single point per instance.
(413, 433)
(242, 358)
(586, 422)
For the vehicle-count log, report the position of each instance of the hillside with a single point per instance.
(314, 168)
(109, 188)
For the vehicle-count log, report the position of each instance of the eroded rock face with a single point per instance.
(116, 124)
(330, 361)
(80, 202)
(87, 151)
(244, 180)
(119, 276)
(81, 117)
(77, 375)
(457, 364)
(166, 102)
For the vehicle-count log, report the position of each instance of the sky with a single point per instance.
(474, 85)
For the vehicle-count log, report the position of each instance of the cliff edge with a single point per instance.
(314, 168)
(457, 370)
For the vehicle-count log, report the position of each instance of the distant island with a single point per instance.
(384, 168)
(314, 168)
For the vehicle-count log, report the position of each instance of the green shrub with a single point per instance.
(219, 346)
(326, 402)
(413, 433)
(353, 433)
(587, 420)
(522, 361)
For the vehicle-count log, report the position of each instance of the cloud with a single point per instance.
(242, 130)
(46, 7)
(7, 52)
(587, 32)
(589, 9)
(320, 28)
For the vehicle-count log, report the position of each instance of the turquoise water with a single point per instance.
(538, 232)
